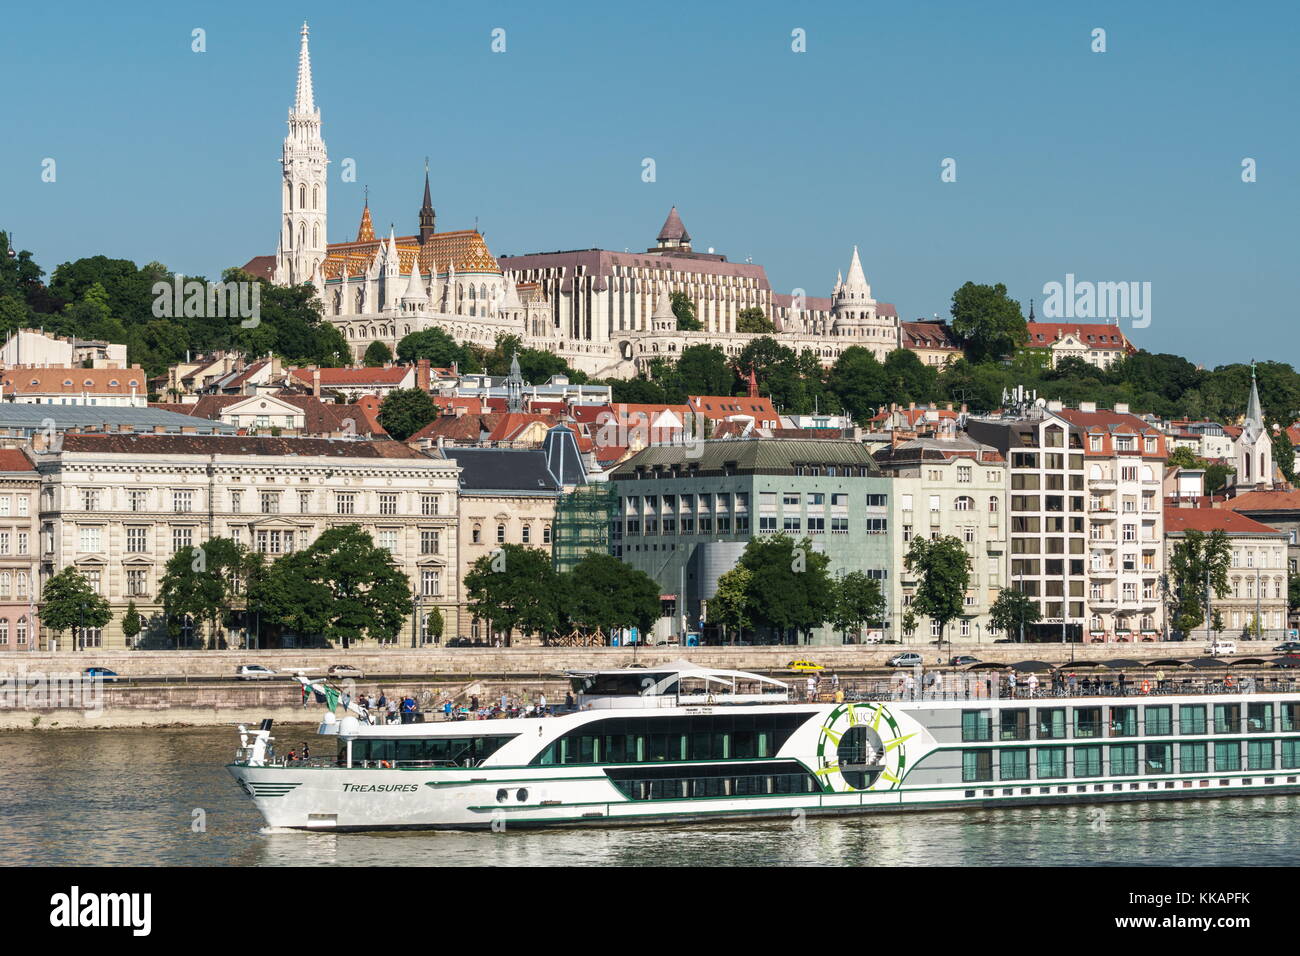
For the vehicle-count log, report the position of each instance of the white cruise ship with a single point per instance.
(681, 743)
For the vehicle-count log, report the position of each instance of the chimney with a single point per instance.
(315, 381)
(1121, 408)
(1087, 406)
(1054, 405)
(422, 374)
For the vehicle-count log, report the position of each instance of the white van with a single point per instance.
(1219, 648)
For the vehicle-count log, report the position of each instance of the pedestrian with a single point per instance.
(811, 686)
(473, 703)
(909, 687)
(446, 709)
(382, 703)
(1011, 684)
(1033, 686)
(1074, 683)
(1160, 679)
(568, 700)
(938, 685)
(1122, 681)
(306, 754)
(541, 702)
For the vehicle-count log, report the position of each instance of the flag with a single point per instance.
(331, 697)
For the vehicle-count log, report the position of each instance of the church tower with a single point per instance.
(1254, 447)
(302, 195)
(427, 217)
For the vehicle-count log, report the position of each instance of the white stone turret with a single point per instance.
(416, 296)
(303, 199)
(664, 319)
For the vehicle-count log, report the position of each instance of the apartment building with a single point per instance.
(949, 485)
(1256, 602)
(19, 485)
(117, 507)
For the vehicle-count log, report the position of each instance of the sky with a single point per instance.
(1117, 166)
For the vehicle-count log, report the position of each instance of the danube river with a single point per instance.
(116, 797)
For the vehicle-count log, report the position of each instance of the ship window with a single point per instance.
(618, 740)
(435, 751)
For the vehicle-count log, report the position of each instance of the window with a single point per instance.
(877, 501)
(91, 539)
(546, 533)
(1051, 723)
(388, 540)
(137, 540)
(1013, 725)
(976, 765)
(1290, 752)
(23, 505)
(304, 502)
(89, 501)
(1013, 764)
(877, 525)
(1191, 719)
(1123, 722)
(1259, 718)
(1124, 760)
(1051, 762)
(976, 725)
(476, 536)
(526, 534)
(964, 503)
(501, 534)
(1087, 721)
(790, 523)
(182, 538)
(1159, 758)
(1227, 755)
(236, 498)
(790, 499)
(136, 500)
(270, 502)
(430, 541)
(1191, 757)
(1087, 761)
(388, 505)
(275, 541)
(963, 474)
(1159, 721)
(1227, 718)
(182, 502)
(431, 582)
(345, 503)
(1259, 755)
(429, 505)
(137, 582)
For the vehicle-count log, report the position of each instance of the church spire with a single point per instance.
(427, 217)
(366, 232)
(515, 387)
(1254, 413)
(304, 101)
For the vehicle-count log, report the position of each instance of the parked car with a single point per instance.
(804, 666)
(102, 673)
(459, 642)
(345, 671)
(1218, 648)
(1288, 646)
(905, 659)
(253, 672)
(961, 660)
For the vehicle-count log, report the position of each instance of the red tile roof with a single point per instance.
(13, 459)
(1097, 335)
(356, 377)
(1182, 520)
(1265, 501)
(73, 381)
(235, 445)
(722, 407)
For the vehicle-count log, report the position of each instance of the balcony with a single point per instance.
(1103, 571)
(1102, 542)
(1102, 484)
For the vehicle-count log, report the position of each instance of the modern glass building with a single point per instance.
(686, 512)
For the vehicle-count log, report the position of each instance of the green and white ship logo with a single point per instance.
(860, 747)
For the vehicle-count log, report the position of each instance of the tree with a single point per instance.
(1197, 560)
(702, 370)
(729, 608)
(907, 379)
(433, 624)
(603, 592)
(377, 354)
(132, 624)
(858, 380)
(69, 601)
(342, 587)
(514, 588)
(1183, 457)
(858, 600)
(753, 320)
(404, 411)
(438, 347)
(942, 570)
(1284, 452)
(684, 309)
(202, 583)
(988, 321)
(790, 589)
(1013, 611)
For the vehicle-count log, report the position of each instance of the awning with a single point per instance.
(1032, 666)
(1205, 662)
(1120, 663)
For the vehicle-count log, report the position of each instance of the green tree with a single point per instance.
(702, 370)
(988, 321)
(377, 355)
(1284, 453)
(754, 320)
(1183, 457)
(201, 583)
(942, 570)
(69, 602)
(907, 379)
(684, 309)
(730, 608)
(132, 624)
(858, 380)
(603, 592)
(1197, 560)
(342, 588)
(404, 411)
(1012, 612)
(858, 601)
(439, 348)
(514, 588)
(433, 624)
(790, 589)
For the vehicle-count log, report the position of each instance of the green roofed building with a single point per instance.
(685, 513)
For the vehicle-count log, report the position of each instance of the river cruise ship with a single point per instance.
(679, 743)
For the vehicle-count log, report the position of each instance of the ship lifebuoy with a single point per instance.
(385, 765)
(1228, 682)
(1146, 687)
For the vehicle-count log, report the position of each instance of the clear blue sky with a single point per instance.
(1123, 165)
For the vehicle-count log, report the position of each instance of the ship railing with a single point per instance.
(969, 687)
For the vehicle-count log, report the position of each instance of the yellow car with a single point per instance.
(805, 667)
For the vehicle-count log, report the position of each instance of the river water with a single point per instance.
(100, 798)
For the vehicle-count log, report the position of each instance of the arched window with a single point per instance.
(20, 632)
(501, 534)
(302, 235)
(477, 535)
(993, 504)
(4, 630)
(315, 197)
(546, 534)
(315, 234)
(302, 195)
(526, 536)
(964, 503)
